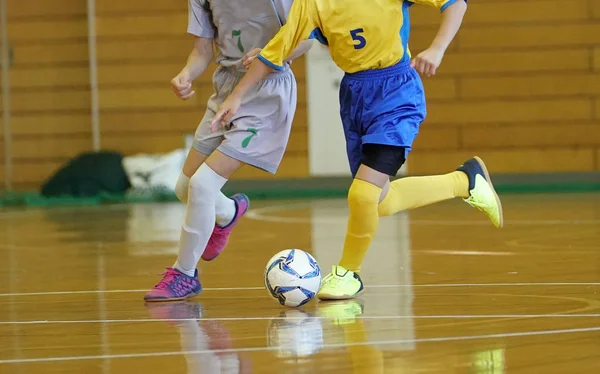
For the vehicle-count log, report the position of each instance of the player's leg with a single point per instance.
(182, 281)
(257, 138)
(225, 207)
(205, 172)
(379, 162)
(471, 181)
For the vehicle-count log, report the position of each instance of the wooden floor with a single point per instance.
(446, 293)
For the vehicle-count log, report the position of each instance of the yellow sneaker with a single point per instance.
(483, 195)
(341, 312)
(340, 284)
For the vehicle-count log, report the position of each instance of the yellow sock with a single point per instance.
(415, 192)
(366, 359)
(363, 199)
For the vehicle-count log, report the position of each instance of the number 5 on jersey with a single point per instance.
(357, 37)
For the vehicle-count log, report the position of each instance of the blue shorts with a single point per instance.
(383, 106)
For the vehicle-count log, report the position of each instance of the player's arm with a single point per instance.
(201, 27)
(453, 12)
(301, 25)
(302, 48)
(199, 58)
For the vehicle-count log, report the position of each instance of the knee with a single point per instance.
(197, 188)
(385, 208)
(204, 184)
(181, 188)
(363, 193)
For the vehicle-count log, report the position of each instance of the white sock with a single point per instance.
(181, 188)
(224, 206)
(199, 219)
(225, 210)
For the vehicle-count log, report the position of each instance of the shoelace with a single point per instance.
(168, 277)
(335, 279)
(476, 204)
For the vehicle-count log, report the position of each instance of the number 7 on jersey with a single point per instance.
(355, 34)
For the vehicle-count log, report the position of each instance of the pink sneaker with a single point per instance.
(220, 235)
(175, 285)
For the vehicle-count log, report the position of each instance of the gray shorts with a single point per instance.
(260, 130)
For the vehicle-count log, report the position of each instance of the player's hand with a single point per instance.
(182, 86)
(226, 112)
(249, 57)
(427, 62)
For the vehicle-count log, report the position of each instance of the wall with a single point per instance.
(141, 45)
(520, 87)
(50, 93)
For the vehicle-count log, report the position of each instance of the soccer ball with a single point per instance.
(293, 277)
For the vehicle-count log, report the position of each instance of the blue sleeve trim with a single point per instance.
(317, 34)
(269, 63)
(448, 4)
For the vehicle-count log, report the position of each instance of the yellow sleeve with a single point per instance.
(302, 24)
(440, 4)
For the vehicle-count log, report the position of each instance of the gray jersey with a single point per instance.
(237, 26)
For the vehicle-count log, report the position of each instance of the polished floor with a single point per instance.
(446, 292)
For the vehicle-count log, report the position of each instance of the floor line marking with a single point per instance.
(518, 284)
(299, 318)
(325, 346)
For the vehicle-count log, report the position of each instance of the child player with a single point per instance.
(258, 136)
(382, 105)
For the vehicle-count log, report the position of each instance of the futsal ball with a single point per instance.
(293, 277)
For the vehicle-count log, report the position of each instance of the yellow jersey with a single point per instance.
(361, 34)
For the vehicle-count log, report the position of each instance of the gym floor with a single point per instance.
(445, 292)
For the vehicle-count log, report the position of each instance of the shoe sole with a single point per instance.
(489, 180)
(341, 297)
(172, 299)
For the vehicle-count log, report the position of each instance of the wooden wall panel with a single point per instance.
(142, 51)
(436, 138)
(35, 30)
(144, 25)
(595, 8)
(530, 36)
(567, 84)
(139, 6)
(480, 112)
(492, 12)
(527, 99)
(509, 12)
(596, 59)
(530, 160)
(18, 9)
(441, 88)
(66, 53)
(500, 63)
(34, 124)
(52, 77)
(520, 83)
(550, 134)
(50, 96)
